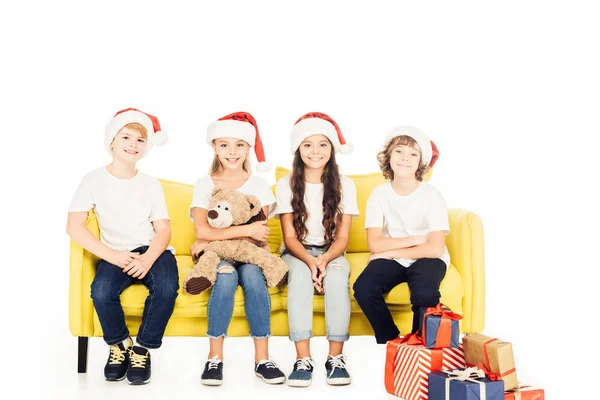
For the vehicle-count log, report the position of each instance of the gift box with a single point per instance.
(524, 392)
(408, 362)
(492, 355)
(464, 384)
(439, 327)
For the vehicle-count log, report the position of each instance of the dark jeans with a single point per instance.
(162, 281)
(381, 276)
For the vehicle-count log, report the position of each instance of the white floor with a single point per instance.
(178, 364)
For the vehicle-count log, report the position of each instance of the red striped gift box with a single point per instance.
(407, 366)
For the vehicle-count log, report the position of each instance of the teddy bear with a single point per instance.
(229, 207)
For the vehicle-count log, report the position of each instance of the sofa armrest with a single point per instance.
(466, 247)
(82, 272)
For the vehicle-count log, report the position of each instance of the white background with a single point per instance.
(508, 91)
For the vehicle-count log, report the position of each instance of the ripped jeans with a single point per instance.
(336, 289)
(257, 302)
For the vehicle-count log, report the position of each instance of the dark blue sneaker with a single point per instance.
(269, 372)
(213, 372)
(301, 376)
(116, 365)
(138, 372)
(337, 374)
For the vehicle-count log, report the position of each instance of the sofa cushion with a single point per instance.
(179, 197)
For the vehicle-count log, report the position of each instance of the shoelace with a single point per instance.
(267, 363)
(137, 360)
(338, 361)
(305, 364)
(117, 356)
(214, 362)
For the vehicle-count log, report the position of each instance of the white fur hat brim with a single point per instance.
(316, 126)
(231, 129)
(419, 136)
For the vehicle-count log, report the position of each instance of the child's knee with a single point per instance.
(225, 269)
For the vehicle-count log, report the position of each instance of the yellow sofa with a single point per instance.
(462, 289)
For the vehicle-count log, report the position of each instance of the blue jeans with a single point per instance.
(257, 301)
(300, 297)
(162, 281)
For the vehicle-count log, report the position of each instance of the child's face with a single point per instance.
(315, 151)
(128, 145)
(232, 152)
(405, 160)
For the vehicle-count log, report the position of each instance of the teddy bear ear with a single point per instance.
(218, 189)
(254, 204)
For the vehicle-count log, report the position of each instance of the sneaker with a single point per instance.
(116, 365)
(301, 376)
(337, 374)
(269, 372)
(213, 372)
(138, 372)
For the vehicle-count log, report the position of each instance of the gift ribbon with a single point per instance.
(444, 333)
(487, 367)
(517, 392)
(465, 375)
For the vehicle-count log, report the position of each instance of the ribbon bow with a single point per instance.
(444, 333)
(411, 339)
(468, 374)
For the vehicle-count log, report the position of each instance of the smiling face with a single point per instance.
(315, 151)
(231, 152)
(405, 160)
(129, 144)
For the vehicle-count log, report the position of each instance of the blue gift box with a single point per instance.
(463, 389)
(432, 323)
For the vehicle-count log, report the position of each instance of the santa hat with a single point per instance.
(240, 125)
(316, 123)
(429, 151)
(132, 115)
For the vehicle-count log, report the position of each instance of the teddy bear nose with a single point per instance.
(212, 214)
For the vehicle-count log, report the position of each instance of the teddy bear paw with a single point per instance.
(197, 285)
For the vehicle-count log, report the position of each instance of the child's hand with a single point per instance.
(258, 231)
(198, 247)
(313, 264)
(138, 268)
(322, 262)
(123, 258)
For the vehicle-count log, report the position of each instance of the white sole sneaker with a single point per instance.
(299, 382)
(211, 382)
(272, 381)
(338, 381)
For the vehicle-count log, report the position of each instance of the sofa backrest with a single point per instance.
(179, 198)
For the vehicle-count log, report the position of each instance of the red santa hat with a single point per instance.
(240, 125)
(429, 151)
(131, 115)
(317, 123)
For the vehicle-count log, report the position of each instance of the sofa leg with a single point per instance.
(82, 353)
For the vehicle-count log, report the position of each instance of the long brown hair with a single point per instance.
(332, 197)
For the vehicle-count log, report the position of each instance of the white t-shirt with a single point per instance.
(255, 186)
(125, 208)
(417, 214)
(313, 200)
